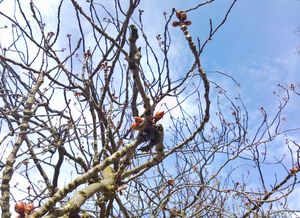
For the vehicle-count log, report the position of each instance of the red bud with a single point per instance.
(135, 126)
(20, 207)
(158, 115)
(138, 119)
(29, 208)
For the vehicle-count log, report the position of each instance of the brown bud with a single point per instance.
(187, 22)
(175, 24)
(294, 170)
(183, 27)
(183, 16)
(186, 32)
(171, 182)
(178, 14)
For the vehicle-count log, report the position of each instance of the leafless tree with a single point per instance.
(97, 121)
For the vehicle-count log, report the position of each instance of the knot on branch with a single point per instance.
(134, 52)
(153, 134)
(109, 180)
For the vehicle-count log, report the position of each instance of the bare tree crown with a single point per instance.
(98, 120)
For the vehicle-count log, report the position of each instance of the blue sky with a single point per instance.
(257, 45)
(257, 29)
